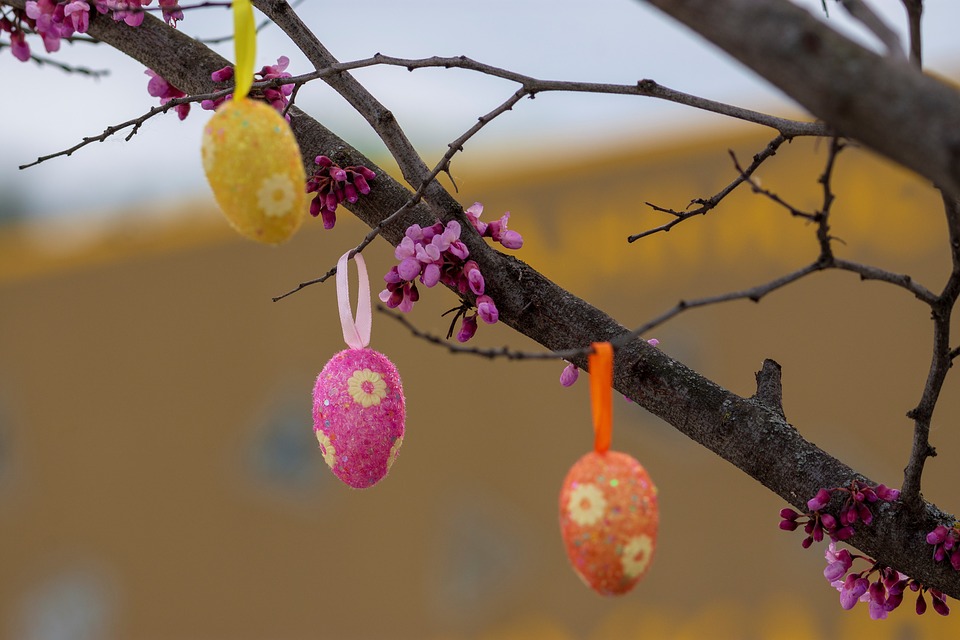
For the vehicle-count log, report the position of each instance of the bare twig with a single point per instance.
(868, 18)
(260, 27)
(914, 17)
(710, 203)
(903, 281)
(754, 293)
(84, 71)
(770, 195)
(499, 352)
(940, 362)
(138, 122)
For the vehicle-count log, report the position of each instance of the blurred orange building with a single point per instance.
(159, 478)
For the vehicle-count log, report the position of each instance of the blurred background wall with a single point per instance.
(159, 477)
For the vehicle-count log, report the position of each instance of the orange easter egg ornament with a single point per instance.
(608, 521)
(253, 165)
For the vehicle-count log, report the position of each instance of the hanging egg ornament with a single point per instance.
(609, 514)
(253, 165)
(359, 410)
(608, 521)
(358, 415)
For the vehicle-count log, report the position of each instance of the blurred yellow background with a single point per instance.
(159, 477)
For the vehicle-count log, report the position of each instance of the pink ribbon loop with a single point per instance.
(356, 331)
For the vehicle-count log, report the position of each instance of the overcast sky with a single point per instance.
(620, 41)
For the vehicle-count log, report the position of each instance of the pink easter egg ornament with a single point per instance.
(359, 409)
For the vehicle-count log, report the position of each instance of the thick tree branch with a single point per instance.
(862, 95)
(743, 431)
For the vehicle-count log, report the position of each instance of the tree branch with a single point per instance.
(866, 16)
(914, 16)
(710, 203)
(864, 96)
(940, 362)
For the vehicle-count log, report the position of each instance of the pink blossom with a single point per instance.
(160, 88)
(838, 563)
(468, 328)
(497, 230)
(334, 185)
(569, 375)
(19, 46)
(170, 13)
(474, 277)
(79, 14)
(222, 75)
(473, 215)
(854, 589)
(487, 310)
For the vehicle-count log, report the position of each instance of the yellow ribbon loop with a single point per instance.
(245, 47)
(600, 363)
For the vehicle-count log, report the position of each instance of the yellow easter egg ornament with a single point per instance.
(253, 165)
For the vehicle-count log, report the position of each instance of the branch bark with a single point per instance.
(747, 432)
(885, 103)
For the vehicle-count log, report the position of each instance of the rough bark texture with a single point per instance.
(750, 433)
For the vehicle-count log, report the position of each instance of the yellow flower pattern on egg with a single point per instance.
(254, 168)
(326, 448)
(366, 387)
(394, 452)
(586, 504)
(637, 555)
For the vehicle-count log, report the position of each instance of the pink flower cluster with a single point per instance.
(160, 88)
(859, 495)
(436, 254)
(497, 230)
(945, 542)
(884, 593)
(55, 20)
(333, 185)
(278, 97)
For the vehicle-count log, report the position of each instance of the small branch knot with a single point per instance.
(769, 388)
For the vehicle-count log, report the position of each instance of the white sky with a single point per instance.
(621, 41)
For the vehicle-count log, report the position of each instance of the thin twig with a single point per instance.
(770, 195)
(914, 17)
(903, 281)
(754, 293)
(499, 352)
(866, 16)
(84, 71)
(260, 27)
(707, 204)
(138, 122)
(940, 362)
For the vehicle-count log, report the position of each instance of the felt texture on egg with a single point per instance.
(608, 520)
(358, 415)
(253, 165)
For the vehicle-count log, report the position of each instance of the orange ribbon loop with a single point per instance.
(601, 394)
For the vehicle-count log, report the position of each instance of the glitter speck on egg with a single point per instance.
(608, 520)
(254, 168)
(358, 415)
